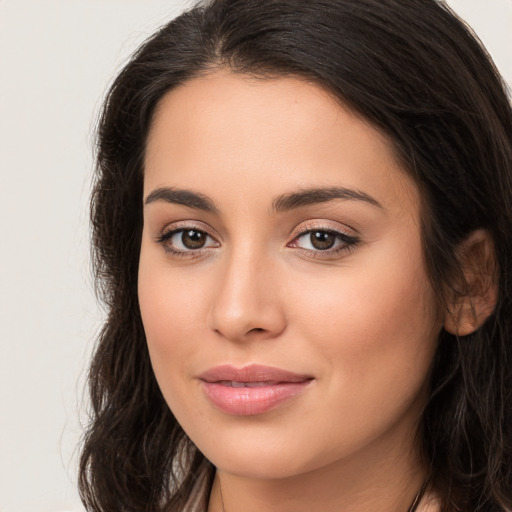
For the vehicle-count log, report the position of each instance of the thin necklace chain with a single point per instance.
(413, 507)
(221, 497)
(417, 498)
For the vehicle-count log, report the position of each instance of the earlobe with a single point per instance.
(475, 297)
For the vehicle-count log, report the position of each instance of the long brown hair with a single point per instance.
(417, 73)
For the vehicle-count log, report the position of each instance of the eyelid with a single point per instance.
(325, 225)
(349, 241)
(170, 230)
(188, 224)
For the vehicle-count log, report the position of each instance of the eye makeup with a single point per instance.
(186, 239)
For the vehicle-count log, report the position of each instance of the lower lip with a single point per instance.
(252, 401)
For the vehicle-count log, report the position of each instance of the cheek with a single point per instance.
(376, 325)
(171, 309)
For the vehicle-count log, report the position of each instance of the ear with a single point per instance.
(476, 296)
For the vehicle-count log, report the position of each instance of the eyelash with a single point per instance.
(165, 238)
(349, 242)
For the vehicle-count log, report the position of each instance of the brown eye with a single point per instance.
(187, 240)
(193, 239)
(327, 241)
(322, 240)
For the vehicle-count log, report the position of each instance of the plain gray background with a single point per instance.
(56, 60)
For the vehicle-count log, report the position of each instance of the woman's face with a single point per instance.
(283, 291)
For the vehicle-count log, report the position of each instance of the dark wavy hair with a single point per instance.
(417, 73)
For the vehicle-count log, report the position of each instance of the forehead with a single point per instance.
(269, 135)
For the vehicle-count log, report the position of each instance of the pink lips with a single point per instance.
(251, 390)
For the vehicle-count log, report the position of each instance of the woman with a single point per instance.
(301, 227)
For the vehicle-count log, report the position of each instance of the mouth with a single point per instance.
(251, 390)
(237, 384)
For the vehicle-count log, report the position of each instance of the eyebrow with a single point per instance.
(311, 196)
(282, 203)
(183, 197)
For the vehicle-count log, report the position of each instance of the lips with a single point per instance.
(251, 390)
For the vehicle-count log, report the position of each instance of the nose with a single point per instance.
(246, 304)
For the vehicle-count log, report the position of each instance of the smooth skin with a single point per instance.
(238, 273)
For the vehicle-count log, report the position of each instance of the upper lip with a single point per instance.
(251, 373)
